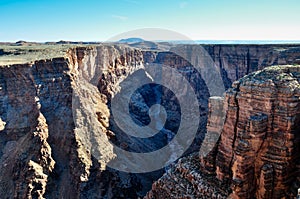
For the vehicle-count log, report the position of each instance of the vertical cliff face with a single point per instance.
(259, 144)
(57, 129)
(26, 90)
(236, 61)
(99, 74)
(257, 155)
(44, 145)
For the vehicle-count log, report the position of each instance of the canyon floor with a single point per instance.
(70, 129)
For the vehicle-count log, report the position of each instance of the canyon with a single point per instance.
(59, 138)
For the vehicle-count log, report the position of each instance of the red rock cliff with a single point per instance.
(259, 144)
(257, 155)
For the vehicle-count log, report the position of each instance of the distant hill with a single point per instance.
(144, 44)
(131, 40)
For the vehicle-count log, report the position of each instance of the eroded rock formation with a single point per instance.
(259, 145)
(257, 155)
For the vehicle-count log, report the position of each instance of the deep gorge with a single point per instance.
(57, 123)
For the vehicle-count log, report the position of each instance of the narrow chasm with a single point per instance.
(149, 104)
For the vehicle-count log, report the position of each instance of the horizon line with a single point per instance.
(101, 41)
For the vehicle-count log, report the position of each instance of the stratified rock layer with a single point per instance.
(48, 151)
(259, 144)
(257, 155)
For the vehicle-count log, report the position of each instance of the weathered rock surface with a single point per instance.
(47, 150)
(236, 61)
(259, 144)
(257, 155)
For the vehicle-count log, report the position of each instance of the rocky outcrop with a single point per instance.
(187, 179)
(259, 144)
(257, 155)
(26, 164)
(26, 156)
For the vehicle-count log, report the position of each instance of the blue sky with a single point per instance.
(99, 20)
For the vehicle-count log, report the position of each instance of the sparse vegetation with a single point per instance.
(19, 54)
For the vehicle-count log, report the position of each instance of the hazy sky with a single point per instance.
(99, 20)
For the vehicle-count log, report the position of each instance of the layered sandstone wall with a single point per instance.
(28, 139)
(259, 144)
(257, 155)
(236, 61)
(37, 114)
